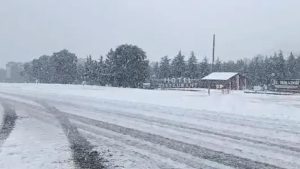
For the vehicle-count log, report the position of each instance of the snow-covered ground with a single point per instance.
(135, 128)
(36, 142)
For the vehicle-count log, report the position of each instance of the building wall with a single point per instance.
(237, 82)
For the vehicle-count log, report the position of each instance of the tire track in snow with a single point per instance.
(175, 156)
(223, 117)
(226, 118)
(194, 150)
(273, 142)
(162, 122)
(186, 126)
(255, 164)
(84, 155)
(8, 122)
(271, 123)
(46, 117)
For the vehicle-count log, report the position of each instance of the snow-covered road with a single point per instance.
(135, 129)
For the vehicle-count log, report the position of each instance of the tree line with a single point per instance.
(259, 70)
(128, 66)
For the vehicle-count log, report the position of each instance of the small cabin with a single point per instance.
(225, 80)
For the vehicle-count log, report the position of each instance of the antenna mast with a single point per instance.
(213, 53)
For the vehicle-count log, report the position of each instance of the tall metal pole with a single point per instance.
(213, 53)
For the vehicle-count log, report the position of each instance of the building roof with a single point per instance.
(220, 76)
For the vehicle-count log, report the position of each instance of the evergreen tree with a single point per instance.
(63, 67)
(164, 67)
(280, 66)
(297, 68)
(110, 68)
(27, 73)
(91, 71)
(204, 67)
(178, 65)
(192, 67)
(269, 72)
(291, 66)
(241, 66)
(128, 66)
(42, 69)
(101, 80)
(80, 73)
(218, 65)
(229, 66)
(256, 71)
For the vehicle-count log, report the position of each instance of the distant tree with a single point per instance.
(229, 66)
(128, 66)
(268, 70)
(80, 73)
(42, 69)
(280, 66)
(28, 72)
(204, 68)
(111, 68)
(164, 67)
(154, 70)
(101, 76)
(64, 67)
(192, 67)
(178, 65)
(291, 66)
(91, 71)
(256, 72)
(218, 65)
(241, 66)
(297, 68)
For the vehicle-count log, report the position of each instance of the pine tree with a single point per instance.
(269, 72)
(164, 67)
(204, 68)
(297, 68)
(80, 73)
(291, 66)
(192, 67)
(110, 68)
(91, 71)
(280, 65)
(178, 65)
(101, 72)
(218, 65)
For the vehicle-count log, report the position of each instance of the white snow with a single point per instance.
(34, 144)
(261, 121)
(219, 76)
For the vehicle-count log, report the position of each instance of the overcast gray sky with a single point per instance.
(244, 28)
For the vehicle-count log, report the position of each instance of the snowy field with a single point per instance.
(140, 129)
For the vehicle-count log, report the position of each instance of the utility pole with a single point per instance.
(213, 53)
